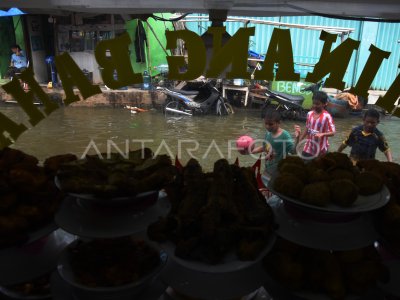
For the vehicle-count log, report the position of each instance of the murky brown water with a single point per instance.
(71, 130)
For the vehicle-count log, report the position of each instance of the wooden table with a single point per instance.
(236, 88)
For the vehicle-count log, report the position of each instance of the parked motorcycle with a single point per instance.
(342, 104)
(206, 99)
(289, 106)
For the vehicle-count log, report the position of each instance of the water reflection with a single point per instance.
(207, 138)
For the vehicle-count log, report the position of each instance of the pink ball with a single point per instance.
(244, 143)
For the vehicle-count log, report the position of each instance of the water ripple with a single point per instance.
(72, 129)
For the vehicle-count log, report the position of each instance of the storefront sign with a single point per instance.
(113, 56)
(294, 88)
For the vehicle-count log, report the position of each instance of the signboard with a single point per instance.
(294, 88)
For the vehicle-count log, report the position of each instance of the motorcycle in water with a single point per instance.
(343, 104)
(289, 106)
(206, 99)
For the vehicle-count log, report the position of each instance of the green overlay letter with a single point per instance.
(13, 129)
(118, 61)
(387, 102)
(368, 74)
(71, 75)
(234, 52)
(196, 55)
(279, 51)
(335, 62)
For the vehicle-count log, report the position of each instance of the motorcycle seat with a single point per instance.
(290, 97)
(187, 93)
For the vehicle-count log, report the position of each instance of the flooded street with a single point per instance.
(208, 138)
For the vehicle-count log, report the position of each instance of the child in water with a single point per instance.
(364, 139)
(319, 126)
(277, 144)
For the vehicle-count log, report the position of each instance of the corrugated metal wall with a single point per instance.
(387, 40)
(307, 46)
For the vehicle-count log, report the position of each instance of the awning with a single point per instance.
(13, 11)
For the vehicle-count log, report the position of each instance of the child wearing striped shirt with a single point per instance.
(319, 126)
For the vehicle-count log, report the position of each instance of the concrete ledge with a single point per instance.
(112, 98)
(138, 97)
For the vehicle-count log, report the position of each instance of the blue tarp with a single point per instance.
(253, 54)
(11, 12)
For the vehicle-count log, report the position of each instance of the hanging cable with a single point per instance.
(158, 40)
(157, 18)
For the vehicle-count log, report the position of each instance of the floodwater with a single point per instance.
(207, 138)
